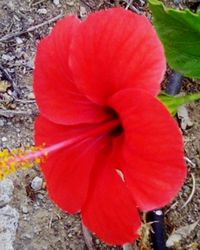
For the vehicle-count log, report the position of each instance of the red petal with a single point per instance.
(110, 211)
(152, 157)
(57, 97)
(114, 50)
(67, 171)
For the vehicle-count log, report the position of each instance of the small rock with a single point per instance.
(27, 236)
(1, 123)
(56, 2)
(26, 218)
(177, 2)
(18, 40)
(30, 20)
(45, 247)
(70, 235)
(36, 183)
(40, 196)
(6, 241)
(6, 190)
(184, 117)
(83, 12)
(36, 206)
(4, 85)
(9, 222)
(24, 209)
(142, 2)
(97, 241)
(31, 96)
(7, 57)
(11, 5)
(30, 63)
(42, 11)
(70, 3)
(4, 139)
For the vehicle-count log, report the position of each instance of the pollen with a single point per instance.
(19, 158)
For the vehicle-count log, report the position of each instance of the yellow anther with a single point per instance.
(20, 158)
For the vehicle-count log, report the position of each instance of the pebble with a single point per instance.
(26, 219)
(18, 40)
(177, 2)
(36, 183)
(30, 63)
(70, 235)
(11, 5)
(45, 247)
(24, 209)
(31, 96)
(9, 222)
(42, 11)
(97, 241)
(40, 196)
(30, 20)
(83, 12)
(6, 241)
(4, 139)
(7, 57)
(56, 2)
(27, 236)
(1, 123)
(6, 190)
(70, 3)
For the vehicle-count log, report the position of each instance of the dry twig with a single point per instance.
(131, 7)
(30, 29)
(32, 4)
(88, 238)
(189, 161)
(24, 101)
(173, 206)
(129, 3)
(7, 113)
(192, 193)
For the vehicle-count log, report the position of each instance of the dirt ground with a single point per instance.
(41, 225)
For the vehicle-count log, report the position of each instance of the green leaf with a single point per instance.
(173, 102)
(179, 31)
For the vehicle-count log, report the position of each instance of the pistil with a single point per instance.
(11, 161)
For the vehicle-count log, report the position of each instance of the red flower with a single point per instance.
(95, 83)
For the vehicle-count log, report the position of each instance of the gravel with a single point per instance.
(8, 226)
(6, 191)
(36, 183)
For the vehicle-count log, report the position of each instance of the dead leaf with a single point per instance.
(180, 233)
(4, 85)
(184, 117)
(193, 246)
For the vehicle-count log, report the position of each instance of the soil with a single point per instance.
(43, 226)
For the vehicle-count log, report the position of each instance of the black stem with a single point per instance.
(158, 232)
(174, 84)
(157, 217)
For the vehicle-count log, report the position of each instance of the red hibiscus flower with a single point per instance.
(118, 150)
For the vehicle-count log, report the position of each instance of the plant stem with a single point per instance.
(157, 216)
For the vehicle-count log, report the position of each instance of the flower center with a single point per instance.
(118, 129)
